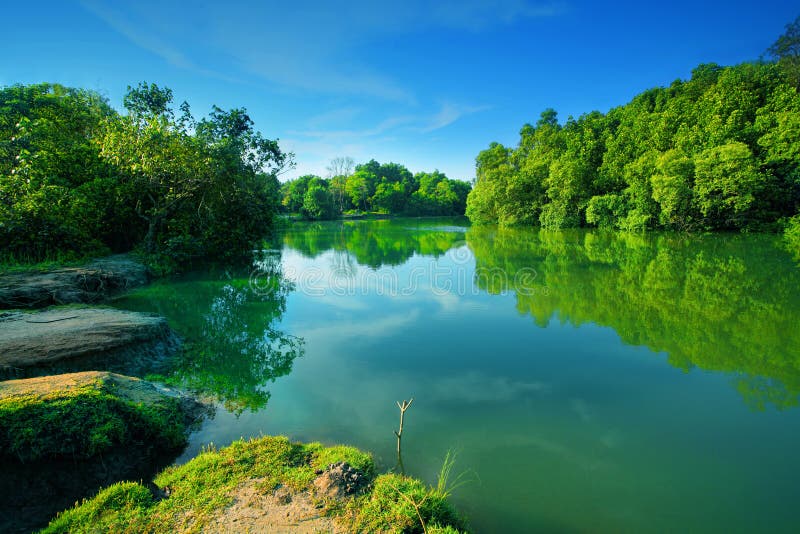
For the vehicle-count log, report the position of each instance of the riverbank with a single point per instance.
(70, 338)
(92, 282)
(81, 415)
(268, 484)
(62, 437)
(67, 437)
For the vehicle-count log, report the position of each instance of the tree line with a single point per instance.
(374, 187)
(720, 151)
(78, 178)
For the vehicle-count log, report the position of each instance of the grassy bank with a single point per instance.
(198, 494)
(80, 415)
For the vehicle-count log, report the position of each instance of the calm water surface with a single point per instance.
(589, 382)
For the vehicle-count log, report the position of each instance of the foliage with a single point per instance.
(203, 486)
(716, 152)
(385, 188)
(54, 188)
(787, 51)
(85, 421)
(792, 236)
(78, 178)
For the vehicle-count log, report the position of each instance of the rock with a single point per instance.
(90, 283)
(340, 480)
(71, 336)
(82, 432)
(127, 388)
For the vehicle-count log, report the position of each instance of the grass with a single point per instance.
(82, 420)
(401, 504)
(10, 265)
(14, 263)
(792, 236)
(202, 487)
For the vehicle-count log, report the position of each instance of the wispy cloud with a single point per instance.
(138, 31)
(380, 128)
(477, 15)
(449, 114)
(306, 45)
(319, 53)
(327, 140)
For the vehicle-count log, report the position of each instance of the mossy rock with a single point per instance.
(80, 415)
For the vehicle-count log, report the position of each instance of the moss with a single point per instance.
(202, 487)
(83, 416)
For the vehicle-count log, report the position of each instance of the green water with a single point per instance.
(590, 382)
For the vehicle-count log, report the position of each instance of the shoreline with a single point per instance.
(343, 495)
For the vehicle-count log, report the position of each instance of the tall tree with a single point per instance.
(787, 51)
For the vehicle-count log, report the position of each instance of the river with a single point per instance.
(586, 381)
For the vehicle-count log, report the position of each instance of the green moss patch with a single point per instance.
(199, 490)
(80, 415)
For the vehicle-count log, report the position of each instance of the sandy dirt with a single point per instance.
(279, 511)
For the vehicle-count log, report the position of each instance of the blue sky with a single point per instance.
(424, 83)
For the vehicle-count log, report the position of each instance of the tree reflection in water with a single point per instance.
(716, 302)
(229, 320)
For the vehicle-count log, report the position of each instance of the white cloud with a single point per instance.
(449, 114)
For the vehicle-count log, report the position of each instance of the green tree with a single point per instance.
(207, 194)
(492, 169)
(717, 151)
(360, 187)
(293, 193)
(727, 183)
(317, 202)
(672, 189)
(787, 51)
(390, 197)
(56, 195)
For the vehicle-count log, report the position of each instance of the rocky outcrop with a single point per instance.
(74, 338)
(90, 283)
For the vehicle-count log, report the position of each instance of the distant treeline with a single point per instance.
(78, 178)
(385, 188)
(720, 151)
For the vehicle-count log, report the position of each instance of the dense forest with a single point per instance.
(720, 151)
(384, 188)
(78, 178)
